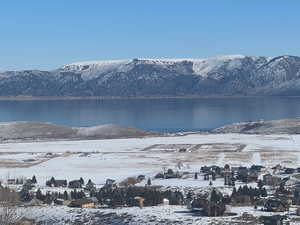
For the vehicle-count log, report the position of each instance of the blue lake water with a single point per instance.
(151, 114)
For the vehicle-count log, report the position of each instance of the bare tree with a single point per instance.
(8, 203)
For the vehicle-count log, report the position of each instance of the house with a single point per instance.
(275, 205)
(140, 201)
(28, 185)
(90, 186)
(206, 176)
(276, 168)
(141, 178)
(58, 201)
(56, 183)
(82, 203)
(256, 168)
(273, 220)
(182, 150)
(210, 204)
(242, 173)
(75, 184)
(252, 176)
(271, 180)
(61, 183)
(85, 154)
(289, 170)
(11, 181)
(110, 183)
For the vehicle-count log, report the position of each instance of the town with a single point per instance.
(273, 190)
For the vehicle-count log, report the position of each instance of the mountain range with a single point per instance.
(229, 75)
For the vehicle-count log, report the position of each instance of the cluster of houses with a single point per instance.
(271, 190)
(276, 190)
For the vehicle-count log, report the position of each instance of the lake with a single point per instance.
(152, 114)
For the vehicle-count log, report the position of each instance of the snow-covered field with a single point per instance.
(121, 158)
(165, 215)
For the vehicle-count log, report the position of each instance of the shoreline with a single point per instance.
(64, 98)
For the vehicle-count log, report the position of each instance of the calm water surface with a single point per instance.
(152, 114)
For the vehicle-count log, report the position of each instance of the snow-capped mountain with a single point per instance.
(223, 75)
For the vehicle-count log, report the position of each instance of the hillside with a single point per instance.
(282, 126)
(19, 131)
(224, 75)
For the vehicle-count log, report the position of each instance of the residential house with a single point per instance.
(257, 168)
(271, 180)
(289, 170)
(275, 205)
(211, 204)
(110, 183)
(82, 203)
(56, 183)
(242, 174)
(11, 181)
(273, 219)
(75, 184)
(252, 176)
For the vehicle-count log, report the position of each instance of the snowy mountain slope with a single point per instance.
(223, 75)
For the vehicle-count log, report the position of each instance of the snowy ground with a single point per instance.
(121, 158)
(167, 215)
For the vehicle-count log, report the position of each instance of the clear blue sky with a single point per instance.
(47, 34)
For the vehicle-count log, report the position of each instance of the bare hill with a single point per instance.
(282, 126)
(20, 131)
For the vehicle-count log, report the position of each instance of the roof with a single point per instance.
(80, 202)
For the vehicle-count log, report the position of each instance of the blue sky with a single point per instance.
(37, 34)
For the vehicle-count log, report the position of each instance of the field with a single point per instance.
(121, 158)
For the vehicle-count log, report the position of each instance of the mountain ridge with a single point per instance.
(227, 75)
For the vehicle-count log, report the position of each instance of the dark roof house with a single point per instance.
(75, 184)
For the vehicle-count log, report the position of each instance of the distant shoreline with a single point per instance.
(37, 98)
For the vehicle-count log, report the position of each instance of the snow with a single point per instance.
(121, 158)
(90, 69)
(163, 214)
(202, 67)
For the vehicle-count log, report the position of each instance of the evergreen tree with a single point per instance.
(264, 192)
(60, 196)
(81, 181)
(89, 182)
(296, 194)
(281, 188)
(260, 184)
(25, 195)
(33, 180)
(196, 176)
(39, 195)
(149, 182)
(92, 193)
(234, 193)
(66, 196)
(245, 190)
(48, 198)
(214, 196)
(213, 176)
(52, 181)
